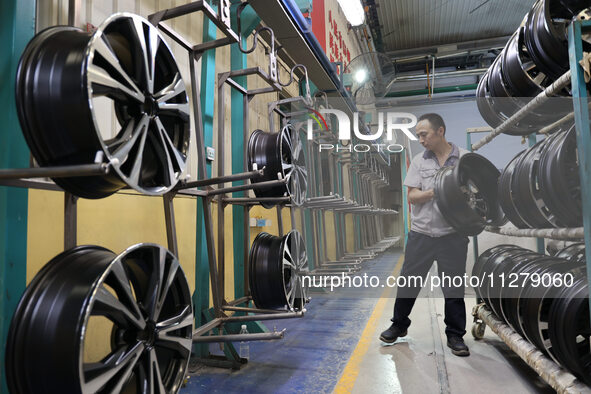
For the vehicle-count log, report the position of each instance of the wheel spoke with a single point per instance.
(123, 289)
(160, 283)
(287, 263)
(292, 292)
(164, 329)
(287, 252)
(176, 87)
(303, 262)
(290, 295)
(289, 177)
(135, 173)
(287, 139)
(297, 245)
(297, 149)
(177, 108)
(181, 320)
(103, 48)
(179, 159)
(106, 304)
(124, 135)
(166, 161)
(148, 48)
(287, 167)
(139, 133)
(101, 374)
(153, 374)
(99, 76)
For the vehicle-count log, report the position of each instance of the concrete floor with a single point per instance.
(335, 348)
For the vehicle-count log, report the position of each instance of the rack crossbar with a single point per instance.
(240, 337)
(575, 233)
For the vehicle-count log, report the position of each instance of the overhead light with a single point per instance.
(353, 11)
(360, 75)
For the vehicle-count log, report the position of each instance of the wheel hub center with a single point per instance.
(150, 106)
(148, 335)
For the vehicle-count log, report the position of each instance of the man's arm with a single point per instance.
(417, 196)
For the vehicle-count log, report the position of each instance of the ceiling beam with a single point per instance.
(449, 49)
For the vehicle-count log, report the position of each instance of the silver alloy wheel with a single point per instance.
(294, 165)
(117, 92)
(295, 264)
(157, 100)
(114, 323)
(276, 266)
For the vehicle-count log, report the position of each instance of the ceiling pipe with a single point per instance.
(418, 92)
(443, 74)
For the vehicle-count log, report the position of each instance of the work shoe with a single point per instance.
(392, 334)
(457, 346)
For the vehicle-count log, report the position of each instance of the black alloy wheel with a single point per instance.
(558, 180)
(482, 267)
(484, 102)
(546, 35)
(282, 156)
(506, 200)
(467, 194)
(523, 78)
(535, 302)
(276, 266)
(523, 81)
(496, 110)
(526, 196)
(569, 331)
(501, 298)
(117, 91)
(573, 252)
(95, 322)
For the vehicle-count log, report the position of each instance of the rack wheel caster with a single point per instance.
(478, 330)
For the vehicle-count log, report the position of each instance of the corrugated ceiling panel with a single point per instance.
(420, 23)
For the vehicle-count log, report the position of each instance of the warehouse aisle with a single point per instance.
(335, 347)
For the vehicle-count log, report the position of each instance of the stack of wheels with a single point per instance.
(110, 323)
(540, 187)
(276, 266)
(542, 298)
(467, 195)
(280, 156)
(70, 82)
(534, 58)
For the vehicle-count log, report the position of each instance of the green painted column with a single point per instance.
(207, 85)
(17, 27)
(249, 20)
(583, 124)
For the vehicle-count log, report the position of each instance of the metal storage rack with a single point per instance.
(216, 318)
(325, 191)
(557, 377)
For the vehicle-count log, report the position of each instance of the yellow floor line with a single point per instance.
(347, 381)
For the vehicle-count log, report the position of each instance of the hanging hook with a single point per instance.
(308, 97)
(271, 52)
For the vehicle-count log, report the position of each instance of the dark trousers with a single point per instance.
(421, 251)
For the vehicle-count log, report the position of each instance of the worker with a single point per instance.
(431, 238)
